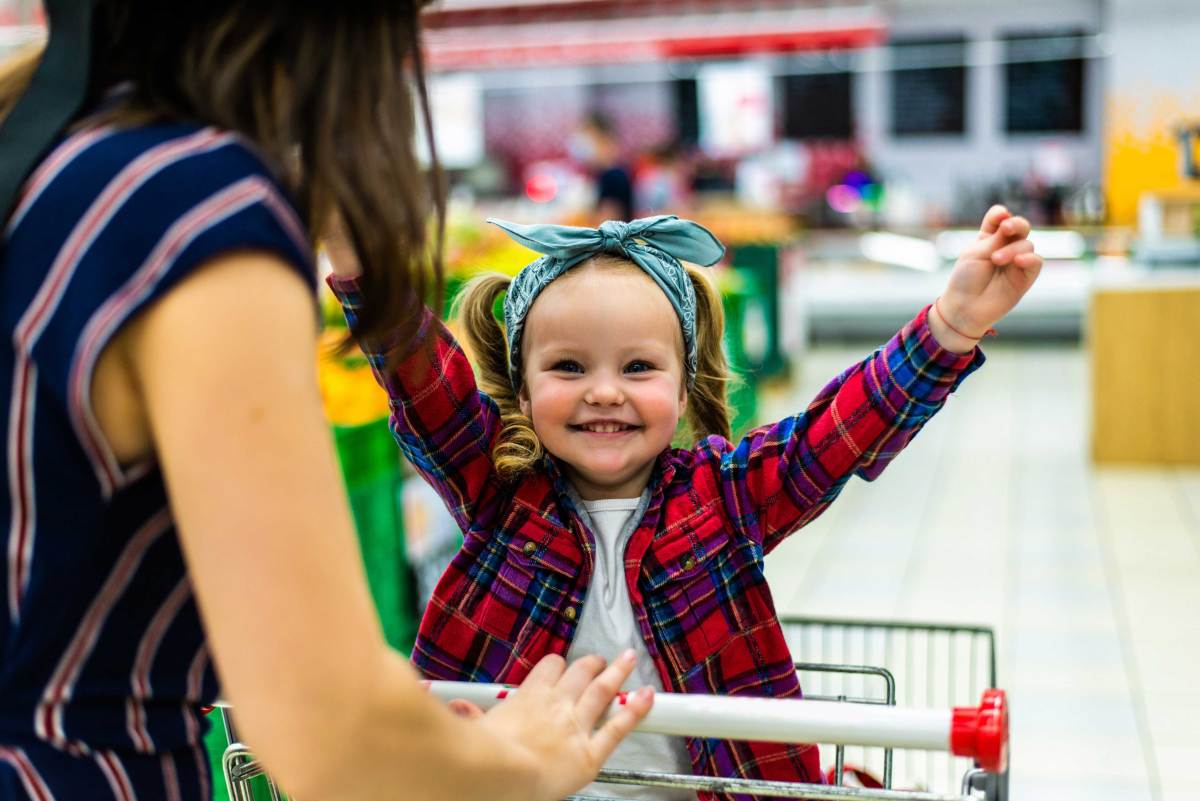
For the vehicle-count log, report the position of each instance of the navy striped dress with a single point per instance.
(103, 662)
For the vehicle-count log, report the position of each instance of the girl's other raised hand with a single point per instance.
(988, 280)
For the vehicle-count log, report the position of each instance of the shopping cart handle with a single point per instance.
(977, 732)
(982, 732)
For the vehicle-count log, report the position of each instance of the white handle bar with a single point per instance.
(979, 732)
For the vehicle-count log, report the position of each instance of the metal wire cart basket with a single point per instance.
(899, 701)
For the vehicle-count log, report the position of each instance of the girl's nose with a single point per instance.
(603, 392)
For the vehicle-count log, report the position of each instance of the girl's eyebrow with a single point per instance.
(559, 352)
(656, 350)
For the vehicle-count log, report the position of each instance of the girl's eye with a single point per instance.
(567, 366)
(638, 367)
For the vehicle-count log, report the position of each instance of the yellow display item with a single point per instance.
(1142, 152)
(348, 389)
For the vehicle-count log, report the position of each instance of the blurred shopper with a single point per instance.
(585, 530)
(162, 506)
(596, 147)
(660, 183)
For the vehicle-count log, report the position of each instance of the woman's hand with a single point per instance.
(552, 720)
(988, 280)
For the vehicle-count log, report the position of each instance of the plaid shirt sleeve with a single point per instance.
(444, 425)
(782, 476)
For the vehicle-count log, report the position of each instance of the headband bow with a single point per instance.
(656, 244)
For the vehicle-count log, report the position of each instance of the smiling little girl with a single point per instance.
(585, 531)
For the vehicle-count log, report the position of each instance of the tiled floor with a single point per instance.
(1091, 577)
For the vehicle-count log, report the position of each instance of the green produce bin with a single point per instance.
(366, 452)
(736, 293)
(760, 263)
(454, 285)
(380, 523)
(371, 468)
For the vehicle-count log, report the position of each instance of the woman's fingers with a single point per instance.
(619, 725)
(599, 693)
(576, 679)
(546, 672)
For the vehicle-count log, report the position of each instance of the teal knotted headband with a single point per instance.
(656, 244)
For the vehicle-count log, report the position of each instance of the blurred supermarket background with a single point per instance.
(843, 150)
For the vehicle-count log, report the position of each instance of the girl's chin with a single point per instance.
(603, 475)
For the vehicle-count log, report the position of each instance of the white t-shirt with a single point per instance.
(607, 627)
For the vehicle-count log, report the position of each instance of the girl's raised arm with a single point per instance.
(444, 424)
(781, 476)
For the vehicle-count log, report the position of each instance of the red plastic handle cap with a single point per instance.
(982, 732)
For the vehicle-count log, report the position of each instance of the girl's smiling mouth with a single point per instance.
(603, 427)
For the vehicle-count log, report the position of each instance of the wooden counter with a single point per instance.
(1145, 362)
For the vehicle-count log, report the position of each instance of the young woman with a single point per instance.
(165, 519)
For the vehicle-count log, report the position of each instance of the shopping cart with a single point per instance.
(931, 665)
(849, 704)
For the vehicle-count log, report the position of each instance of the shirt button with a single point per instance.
(569, 614)
(529, 548)
(689, 562)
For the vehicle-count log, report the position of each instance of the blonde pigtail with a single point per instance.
(708, 410)
(518, 448)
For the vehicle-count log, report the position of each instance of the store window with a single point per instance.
(687, 110)
(928, 80)
(817, 105)
(1044, 81)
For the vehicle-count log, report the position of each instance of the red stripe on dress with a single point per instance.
(171, 777)
(118, 779)
(285, 215)
(20, 482)
(31, 780)
(195, 674)
(135, 726)
(202, 769)
(139, 680)
(48, 715)
(50, 167)
(195, 677)
(112, 312)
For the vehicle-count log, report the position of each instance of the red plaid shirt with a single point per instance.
(694, 565)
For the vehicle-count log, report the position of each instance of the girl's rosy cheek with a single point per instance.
(550, 399)
(664, 400)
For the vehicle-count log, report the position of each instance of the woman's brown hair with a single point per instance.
(518, 448)
(324, 90)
